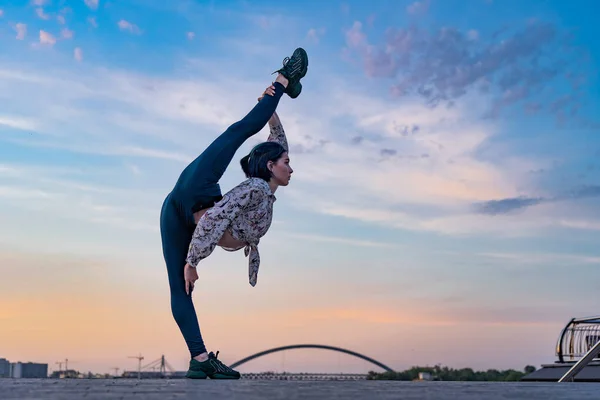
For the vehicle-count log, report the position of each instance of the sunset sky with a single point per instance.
(445, 204)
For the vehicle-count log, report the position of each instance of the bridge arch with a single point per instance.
(311, 346)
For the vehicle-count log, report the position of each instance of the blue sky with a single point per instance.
(446, 176)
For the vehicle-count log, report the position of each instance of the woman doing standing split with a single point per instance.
(195, 217)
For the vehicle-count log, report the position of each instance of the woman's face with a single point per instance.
(281, 170)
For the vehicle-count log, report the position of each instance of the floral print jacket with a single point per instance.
(246, 211)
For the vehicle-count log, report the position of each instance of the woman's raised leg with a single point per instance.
(200, 179)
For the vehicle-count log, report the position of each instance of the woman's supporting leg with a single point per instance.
(176, 235)
(200, 178)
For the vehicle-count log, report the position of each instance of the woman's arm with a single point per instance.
(216, 220)
(277, 133)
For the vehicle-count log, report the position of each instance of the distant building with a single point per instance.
(29, 370)
(4, 368)
(71, 373)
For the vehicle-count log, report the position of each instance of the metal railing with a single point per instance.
(577, 338)
(569, 376)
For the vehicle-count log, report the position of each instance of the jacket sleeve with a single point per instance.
(277, 134)
(216, 220)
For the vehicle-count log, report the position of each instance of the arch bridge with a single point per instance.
(311, 346)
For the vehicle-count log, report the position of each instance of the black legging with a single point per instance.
(196, 188)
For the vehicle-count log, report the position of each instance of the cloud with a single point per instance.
(430, 176)
(78, 54)
(40, 13)
(153, 153)
(445, 64)
(21, 30)
(135, 170)
(586, 224)
(388, 152)
(269, 22)
(191, 35)
(61, 19)
(418, 7)
(403, 165)
(355, 38)
(17, 123)
(40, 2)
(1, 13)
(47, 38)
(164, 114)
(24, 193)
(128, 26)
(314, 35)
(74, 198)
(430, 153)
(543, 258)
(66, 33)
(92, 4)
(504, 206)
(107, 150)
(357, 140)
(341, 240)
(472, 34)
(92, 21)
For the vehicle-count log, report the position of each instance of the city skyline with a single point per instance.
(443, 207)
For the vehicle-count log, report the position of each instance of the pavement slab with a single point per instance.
(151, 389)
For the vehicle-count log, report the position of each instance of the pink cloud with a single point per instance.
(315, 35)
(47, 38)
(40, 13)
(355, 38)
(128, 26)
(473, 34)
(418, 7)
(21, 31)
(78, 54)
(93, 4)
(67, 33)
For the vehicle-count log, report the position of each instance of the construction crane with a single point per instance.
(66, 363)
(139, 358)
(161, 364)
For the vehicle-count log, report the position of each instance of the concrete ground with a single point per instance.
(55, 389)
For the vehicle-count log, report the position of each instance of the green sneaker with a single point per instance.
(294, 90)
(212, 368)
(294, 69)
(195, 370)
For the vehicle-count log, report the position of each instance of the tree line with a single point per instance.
(440, 373)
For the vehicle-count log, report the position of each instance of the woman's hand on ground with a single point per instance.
(270, 91)
(190, 275)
